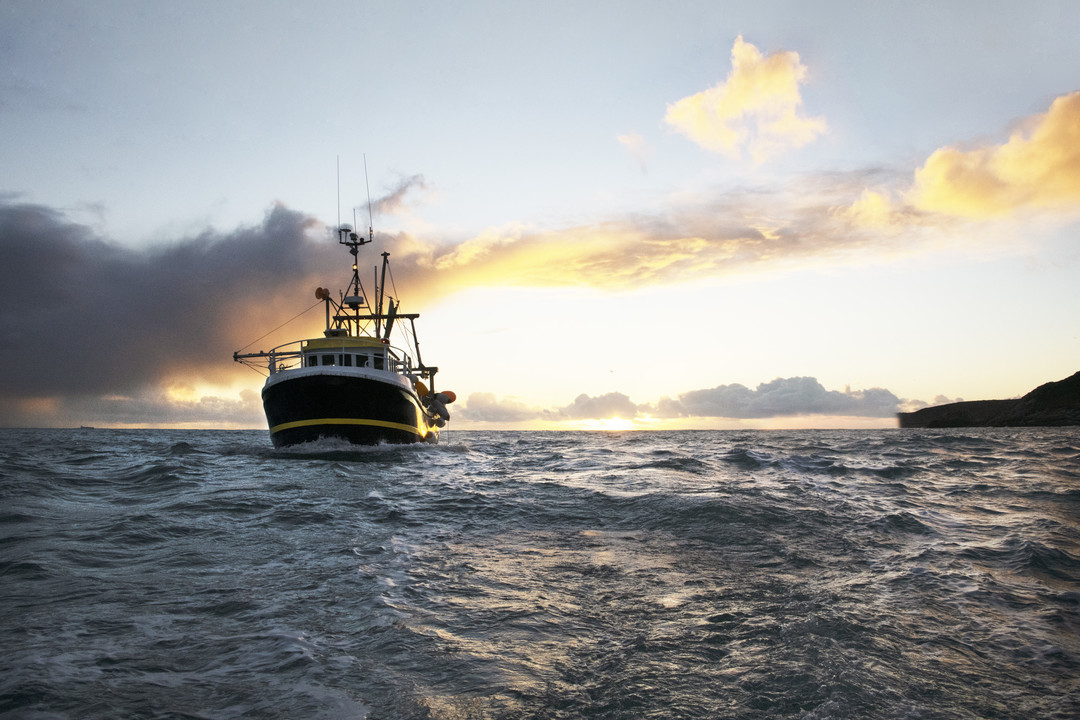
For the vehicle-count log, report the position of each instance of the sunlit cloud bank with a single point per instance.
(710, 234)
(1036, 170)
(783, 396)
(779, 398)
(758, 107)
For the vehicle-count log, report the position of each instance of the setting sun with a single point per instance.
(614, 424)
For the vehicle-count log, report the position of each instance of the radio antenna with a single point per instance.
(371, 223)
(339, 191)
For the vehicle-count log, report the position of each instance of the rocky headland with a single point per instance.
(1054, 404)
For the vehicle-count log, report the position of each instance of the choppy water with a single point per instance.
(883, 574)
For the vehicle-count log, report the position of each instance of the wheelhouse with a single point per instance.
(354, 352)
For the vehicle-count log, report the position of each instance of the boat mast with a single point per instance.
(380, 292)
(385, 312)
(371, 237)
(352, 240)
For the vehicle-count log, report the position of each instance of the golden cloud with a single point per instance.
(610, 255)
(1038, 168)
(758, 107)
(876, 210)
(476, 249)
(708, 236)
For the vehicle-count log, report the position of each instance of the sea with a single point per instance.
(884, 574)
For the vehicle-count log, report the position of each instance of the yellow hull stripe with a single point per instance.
(346, 421)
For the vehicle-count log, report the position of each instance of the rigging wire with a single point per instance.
(255, 369)
(317, 303)
(392, 284)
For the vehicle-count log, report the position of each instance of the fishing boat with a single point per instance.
(352, 384)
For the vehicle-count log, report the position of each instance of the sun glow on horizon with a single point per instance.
(612, 424)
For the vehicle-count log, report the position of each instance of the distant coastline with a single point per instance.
(1055, 404)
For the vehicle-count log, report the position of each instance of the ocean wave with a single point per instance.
(1027, 556)
(826, 574)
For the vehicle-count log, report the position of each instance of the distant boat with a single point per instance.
(352, 384)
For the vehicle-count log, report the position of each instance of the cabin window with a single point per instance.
(312, 360)
(346, 360)
(378, 362)
(361, 361)
(327, 359)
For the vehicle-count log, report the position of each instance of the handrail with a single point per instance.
(398, 360)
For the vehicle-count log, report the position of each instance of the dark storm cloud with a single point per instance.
(394, 201)
(152, 407)
(80, 315)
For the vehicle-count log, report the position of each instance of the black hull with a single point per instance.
(359, 410)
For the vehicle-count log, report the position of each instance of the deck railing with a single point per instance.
(290, 355)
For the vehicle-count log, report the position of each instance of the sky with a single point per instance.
(610, 215)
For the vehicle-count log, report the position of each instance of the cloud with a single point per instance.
(782, 397)
(83, 317)
(609, 405)
(873, 209)
(637, 147)
(485, 407)
(477, 249)
(1037, 169)
(711, 235)
(393, 203)
(610, 254)
(149, 407)
(913, 405)
(825, 216)
(758, 107)
(779, 398)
